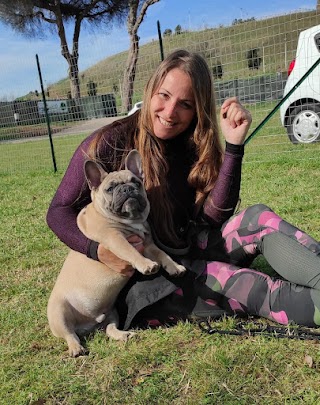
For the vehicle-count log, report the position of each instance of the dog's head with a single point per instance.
(119, 196)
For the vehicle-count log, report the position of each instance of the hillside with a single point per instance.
(275, 39)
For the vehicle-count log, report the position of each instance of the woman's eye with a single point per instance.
(163, 95)
(186, 106)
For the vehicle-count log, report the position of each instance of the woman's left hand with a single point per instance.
(235, 121)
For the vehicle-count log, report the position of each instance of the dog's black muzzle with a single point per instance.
(128, 201)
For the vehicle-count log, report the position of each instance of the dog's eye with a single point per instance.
(110, 189)
(136, 182)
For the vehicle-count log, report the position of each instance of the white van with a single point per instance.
(300, 113)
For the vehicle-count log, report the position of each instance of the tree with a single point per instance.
(217, 70)
(91, 88)
(137, 12)
(167, 32)
(178, 29)
(241, 21)
(253, 58)
(33, 17)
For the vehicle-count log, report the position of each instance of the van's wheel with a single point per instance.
(304, 124)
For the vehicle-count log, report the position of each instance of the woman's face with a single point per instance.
(172, 105)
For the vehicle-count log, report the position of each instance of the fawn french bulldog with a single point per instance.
(85, 291)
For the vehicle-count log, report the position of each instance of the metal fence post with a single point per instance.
(47, 116)
(160, 40)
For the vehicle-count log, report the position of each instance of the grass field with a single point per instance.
(270, 144)
(176, 365)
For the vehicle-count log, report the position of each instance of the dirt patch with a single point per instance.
(88, 126)
(23, 132)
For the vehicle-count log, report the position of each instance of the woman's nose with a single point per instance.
(171, 108)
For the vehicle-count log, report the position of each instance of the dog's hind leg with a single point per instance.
(60, 317)
(112, 328)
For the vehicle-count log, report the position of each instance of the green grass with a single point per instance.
(177, 365)
(270, 144)
(35, 154)
(22, 132)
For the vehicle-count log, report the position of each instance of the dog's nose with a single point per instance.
(127, 188)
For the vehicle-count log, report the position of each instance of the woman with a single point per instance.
(193, 188)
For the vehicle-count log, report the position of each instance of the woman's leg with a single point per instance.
(248, 291)
(293, 254)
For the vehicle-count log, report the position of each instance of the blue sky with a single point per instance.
(18, 69)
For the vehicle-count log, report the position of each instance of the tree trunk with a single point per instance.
(73, 72)
(130, 73)
(71, 58)
(133, 23)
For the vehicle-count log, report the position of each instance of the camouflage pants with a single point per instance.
(295, 256)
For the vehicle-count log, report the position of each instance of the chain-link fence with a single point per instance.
(249, 59)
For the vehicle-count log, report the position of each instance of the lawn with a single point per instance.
(168, 365)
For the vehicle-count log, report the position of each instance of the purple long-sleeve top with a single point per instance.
(73, 192)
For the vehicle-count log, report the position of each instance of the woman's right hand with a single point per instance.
(114, 263)
(235, 121)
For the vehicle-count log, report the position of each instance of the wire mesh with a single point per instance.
(249, 59)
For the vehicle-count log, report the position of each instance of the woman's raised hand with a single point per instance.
(235, 121)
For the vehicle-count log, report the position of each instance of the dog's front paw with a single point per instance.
(175, 269)
(148, 267)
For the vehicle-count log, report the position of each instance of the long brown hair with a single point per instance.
(204, 141)
(205, 138)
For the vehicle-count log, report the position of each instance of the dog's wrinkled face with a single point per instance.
(122, 194)
(119, 195)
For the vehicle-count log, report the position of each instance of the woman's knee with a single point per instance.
(252, 214)
(257, 209)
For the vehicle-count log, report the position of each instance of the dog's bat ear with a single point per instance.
(134, 163)
(94, 174)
